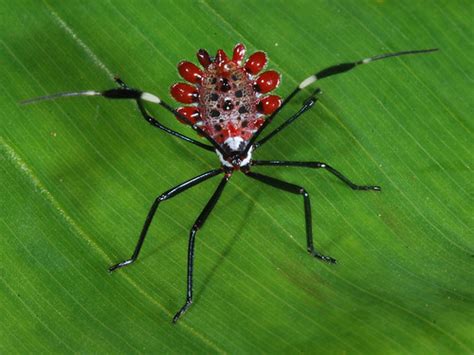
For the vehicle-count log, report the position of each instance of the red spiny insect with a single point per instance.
(229, 99)
(229, 105)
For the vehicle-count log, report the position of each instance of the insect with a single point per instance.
(228, 103)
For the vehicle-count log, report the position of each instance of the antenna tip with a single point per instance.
(61, 94)
(25, 102)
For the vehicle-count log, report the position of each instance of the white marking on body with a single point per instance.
(223, 161)
(88, 51)
(247, 158)
(366, 60)
(234, 143)
(307, 81)
(150, 97)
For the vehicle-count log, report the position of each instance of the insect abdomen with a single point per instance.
(227, 98)
(227, 103)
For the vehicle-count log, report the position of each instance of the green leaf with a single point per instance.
(78, 176)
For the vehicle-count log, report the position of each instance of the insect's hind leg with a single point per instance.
(192, 235)
(344, 179)
(163, 197)
(283, 185)
(318, 165)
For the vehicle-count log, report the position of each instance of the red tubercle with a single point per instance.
(267, 81)
(269, 104)
(222, 136)
(203, 58)
(256, 63)
(233, 131)
(239, 53)
(191, 113)
(258, 123)
(184, 93)
(246, 134)
(190, 72)
(221, 57)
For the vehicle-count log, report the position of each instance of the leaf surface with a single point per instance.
(78, 176)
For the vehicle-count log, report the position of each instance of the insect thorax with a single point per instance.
(234, 146)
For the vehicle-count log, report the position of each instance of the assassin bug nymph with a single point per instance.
(230, 107)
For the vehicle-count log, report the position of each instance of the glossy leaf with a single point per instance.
(79, 174)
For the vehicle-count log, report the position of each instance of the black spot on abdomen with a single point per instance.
(214, 113)
(243, 109)
(228, 105)
(225, 86)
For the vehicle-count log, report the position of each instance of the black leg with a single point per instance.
(192, 235)
(317, 165)
(295, 189)
(332, 70)
(124, 92)
(307, 104)
(165, 196)
(154, 122)
(150, 119)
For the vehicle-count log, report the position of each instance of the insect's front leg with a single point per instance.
(295, 189)
(307, 104)
(329, 71)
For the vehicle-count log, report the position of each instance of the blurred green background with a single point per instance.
(78, 176)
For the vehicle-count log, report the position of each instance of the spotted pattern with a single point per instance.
(227, 99)
(227, 102)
